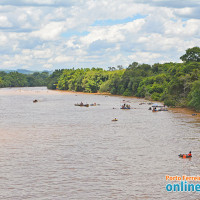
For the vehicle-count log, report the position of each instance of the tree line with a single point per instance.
(177, 84)
(16, 79)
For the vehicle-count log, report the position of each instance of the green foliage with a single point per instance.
(52, 80)
(1, 82)
(82, 80)
(191, 55)
(156, 96)
(15, 79)
(172, 83)
(93, 79)
(105, 86)
(127, 92)
(194, 97)
(169, 100)
(177, 84)
(37, 79)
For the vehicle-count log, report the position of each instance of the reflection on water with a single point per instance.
(55, 150)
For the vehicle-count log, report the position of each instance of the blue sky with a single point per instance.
(54, 34)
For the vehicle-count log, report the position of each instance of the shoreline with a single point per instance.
(103, 93)
(75, 92)
(20, 91)
(183, 110)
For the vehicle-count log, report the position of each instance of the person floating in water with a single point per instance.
(190, 154)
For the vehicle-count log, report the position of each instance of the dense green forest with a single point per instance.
(177, 84)
(15, 79)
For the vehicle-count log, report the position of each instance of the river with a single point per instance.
(53, 150)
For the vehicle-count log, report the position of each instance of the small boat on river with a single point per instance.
(125, 106)
(81, 104)
(155, 107)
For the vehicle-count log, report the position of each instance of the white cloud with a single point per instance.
(48, 66)
(144, 57)
(43, 3)
(51, 31)
(114, 34)
(4, 22)
(62, 59)
(57, 33)
(183, 29)
(3, 39)
(184, 11)
(38, 54)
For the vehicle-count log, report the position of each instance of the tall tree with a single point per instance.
(191, 55)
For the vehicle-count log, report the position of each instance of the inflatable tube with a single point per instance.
(184, 156)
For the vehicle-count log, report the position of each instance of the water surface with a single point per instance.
(53, 150)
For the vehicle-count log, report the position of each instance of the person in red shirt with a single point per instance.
(190, 154)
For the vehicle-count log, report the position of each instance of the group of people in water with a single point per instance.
(154, 109)
(86, 105)
(189, 155)
(126, 106)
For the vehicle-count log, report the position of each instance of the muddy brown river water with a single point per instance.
(53, 150)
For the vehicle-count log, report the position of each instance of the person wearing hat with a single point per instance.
(190, 154)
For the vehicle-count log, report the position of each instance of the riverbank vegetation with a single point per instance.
(16, 79)
(177, 84)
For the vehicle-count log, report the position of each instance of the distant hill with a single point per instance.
(23, 71)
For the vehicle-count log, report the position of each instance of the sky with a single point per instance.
(57, 34)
